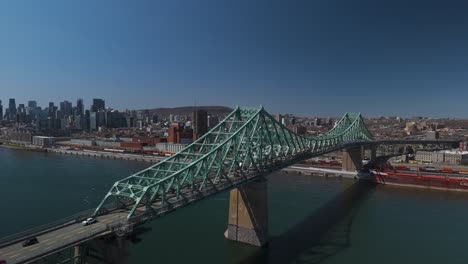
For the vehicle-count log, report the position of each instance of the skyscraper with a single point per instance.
(98, 104)
(12, 109)
(21, 108)
(51, 110)
(200, 123)
(32, 105)
(66, 108)
(80, 107)
(1, 111)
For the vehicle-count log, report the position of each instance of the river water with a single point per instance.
(312, 219)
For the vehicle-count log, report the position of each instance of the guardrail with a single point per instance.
(73, 219)
(76, 218)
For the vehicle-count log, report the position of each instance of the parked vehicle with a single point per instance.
(30, 242)
(429, 168)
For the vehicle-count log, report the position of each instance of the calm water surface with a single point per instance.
(312, 219)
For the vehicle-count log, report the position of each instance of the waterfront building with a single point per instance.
(168, 147)
(177, 134)
(43, 141)
(443, 157)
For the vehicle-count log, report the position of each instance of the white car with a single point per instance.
(89, 221)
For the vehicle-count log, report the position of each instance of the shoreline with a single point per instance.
(86, 153)
(20, 147)
(107, 155)
(330, 173)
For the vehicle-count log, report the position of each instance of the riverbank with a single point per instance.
(107, 155)
(21, 147)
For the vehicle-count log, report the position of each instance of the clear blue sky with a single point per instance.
(394, 57)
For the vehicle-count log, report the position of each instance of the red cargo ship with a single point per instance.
(422, 180)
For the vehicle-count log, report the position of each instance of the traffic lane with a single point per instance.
(48, 243)
(58, 238)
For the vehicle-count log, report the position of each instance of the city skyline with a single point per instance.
(311, 58)
(88, 106)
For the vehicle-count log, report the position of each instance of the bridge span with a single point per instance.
(236, 155)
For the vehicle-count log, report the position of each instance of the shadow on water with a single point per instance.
(321, 235)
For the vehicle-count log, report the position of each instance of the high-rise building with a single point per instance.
(93, 121)
(199, 123)
(21, 108)
(98, 104)
(80, 107)
(51, 110)
(1, 111)
(12, 109)
(115, 119)
(212, 121)
(66, 108)
(32, 105)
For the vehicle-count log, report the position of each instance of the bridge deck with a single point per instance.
(249, 143)
(59, 239)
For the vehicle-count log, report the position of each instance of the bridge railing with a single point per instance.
(11, 239)
(73, 219)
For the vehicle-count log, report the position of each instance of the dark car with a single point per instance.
(3, 262)
(30, 242)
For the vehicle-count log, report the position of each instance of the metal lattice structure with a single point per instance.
(247, 143)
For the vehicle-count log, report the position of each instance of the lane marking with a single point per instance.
(49, 247)
(6, 254)
(17, 254)
(32, 248)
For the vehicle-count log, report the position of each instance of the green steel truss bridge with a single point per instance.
(249, 143)
(245, 147)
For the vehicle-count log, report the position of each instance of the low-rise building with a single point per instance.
(43, 141)
(447, 157)
(424, 156)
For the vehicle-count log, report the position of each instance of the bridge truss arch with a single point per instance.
(248, 143)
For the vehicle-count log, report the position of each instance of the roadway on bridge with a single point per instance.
(59, 239)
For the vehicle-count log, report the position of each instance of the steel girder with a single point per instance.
(247, 140)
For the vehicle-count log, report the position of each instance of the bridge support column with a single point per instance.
(248, 214)
(373, 153)
(77, 255)
(370, 153)
(352, 159)
(111, 249)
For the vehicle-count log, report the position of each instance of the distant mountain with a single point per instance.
(188, 110)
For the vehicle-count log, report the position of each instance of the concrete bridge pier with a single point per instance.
(373, 153)
(248, 214)
(352, 159)
(110, 249)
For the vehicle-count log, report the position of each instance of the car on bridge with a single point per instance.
(89, 221)
(30, 242)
